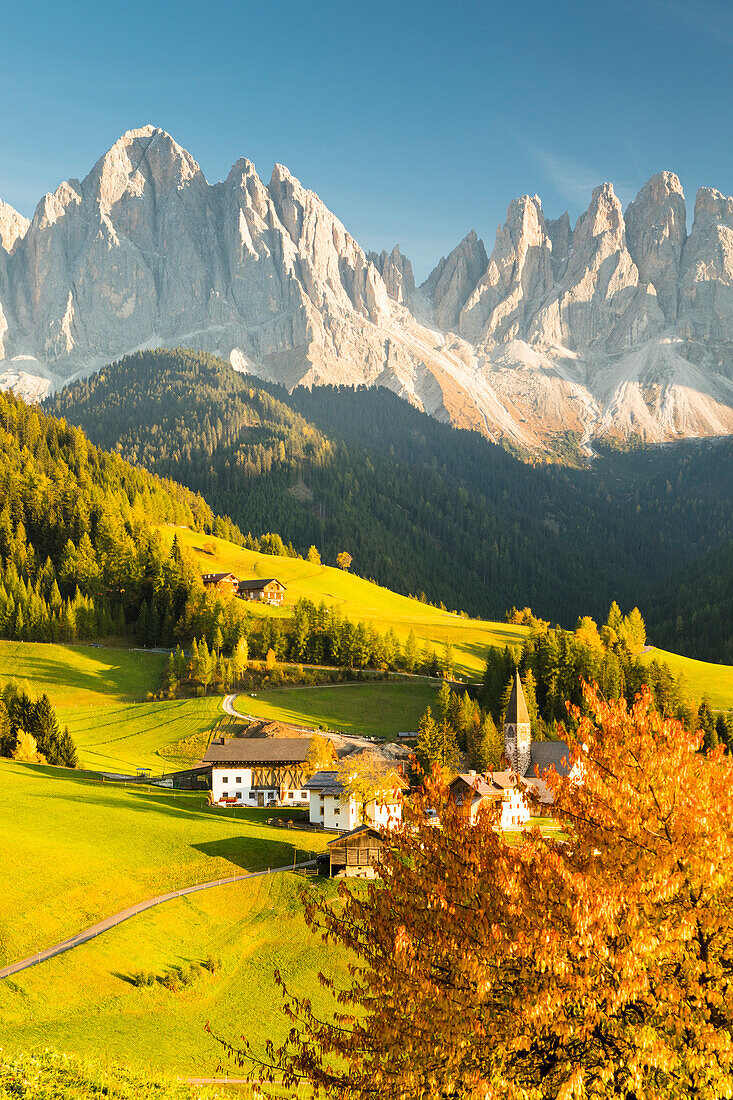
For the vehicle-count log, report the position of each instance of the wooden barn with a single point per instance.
(226, 583)
(354, 854)
(266, 591)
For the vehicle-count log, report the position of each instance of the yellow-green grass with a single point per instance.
(359, 599)
(376, 710)
(43, 1073)
(81, 675)
(84, 1001)
(77, 850)
(127, 736)
(701, 677)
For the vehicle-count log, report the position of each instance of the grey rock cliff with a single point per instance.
(621, 324)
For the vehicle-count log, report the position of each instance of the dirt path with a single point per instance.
(132, 911)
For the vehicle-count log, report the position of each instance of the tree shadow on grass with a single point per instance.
(247, 853)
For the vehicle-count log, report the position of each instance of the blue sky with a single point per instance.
(414, 122)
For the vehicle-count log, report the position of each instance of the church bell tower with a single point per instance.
(517, 730)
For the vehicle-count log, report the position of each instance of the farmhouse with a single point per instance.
(354, 853)
(332, 807)
(502, 791)
(267, 591)
(226, 583)
(259, 771)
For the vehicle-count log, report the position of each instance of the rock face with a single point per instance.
(620, 325)
(396, 270)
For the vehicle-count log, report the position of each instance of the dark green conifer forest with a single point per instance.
(423, 507)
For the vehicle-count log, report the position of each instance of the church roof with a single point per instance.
(517, 712)
(549, 754)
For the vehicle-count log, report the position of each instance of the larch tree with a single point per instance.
(601, 967)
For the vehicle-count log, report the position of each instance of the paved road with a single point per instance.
(125, 914)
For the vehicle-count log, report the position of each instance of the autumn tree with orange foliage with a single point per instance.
(598, 967)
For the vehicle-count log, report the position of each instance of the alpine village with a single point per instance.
(366, 622)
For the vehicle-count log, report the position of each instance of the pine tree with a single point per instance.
(410, 654)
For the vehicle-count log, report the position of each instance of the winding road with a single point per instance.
(132, 911)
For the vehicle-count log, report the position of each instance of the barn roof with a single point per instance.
(517, 712)
(253, 585)
(259, 750)
(215, 578)
(360, 830)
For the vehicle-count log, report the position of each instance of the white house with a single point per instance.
(504, 791)
(259, 771)
(333, 808)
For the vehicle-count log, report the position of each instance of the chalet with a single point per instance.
(355, 853)
(333, 808)
(226, 583)
(260, 771)
(266, 591)
(503, 792)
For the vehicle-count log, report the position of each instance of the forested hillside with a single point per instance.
(692, 613)
(79, 554)
(420, 506)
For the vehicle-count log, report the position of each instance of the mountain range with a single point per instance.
(618, 326)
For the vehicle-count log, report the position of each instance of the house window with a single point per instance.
(238, 794)
(239, 779)
(225, 794)
(225, 779)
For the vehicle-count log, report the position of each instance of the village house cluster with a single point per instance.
(270, 766)
(269, 590)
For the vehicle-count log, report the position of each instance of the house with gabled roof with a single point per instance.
(260, 771)
(226, 583)
(332, 806)
(501, 792)
(270, 590)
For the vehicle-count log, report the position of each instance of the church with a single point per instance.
(523, 754)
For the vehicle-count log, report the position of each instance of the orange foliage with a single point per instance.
(598, 967)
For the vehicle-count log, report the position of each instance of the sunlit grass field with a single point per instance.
(376, 710)
(77, 850)
(701, 678)
(84, 1001)
(359, 599)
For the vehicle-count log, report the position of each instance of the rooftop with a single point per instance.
(257, 583)
(517, 712)
(259, 750)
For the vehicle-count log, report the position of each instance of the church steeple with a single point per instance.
(517, 729)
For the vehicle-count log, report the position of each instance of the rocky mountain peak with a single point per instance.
(656, 231)
(620, 324)
(454, 278)
(396, 271)
(13, 226)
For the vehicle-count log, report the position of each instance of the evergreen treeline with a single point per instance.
(554, 662)
(692, 612)
(29, 731)
(79, 556)
(420, 506)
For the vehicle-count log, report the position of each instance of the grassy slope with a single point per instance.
(377, 710)
(359, 599)
(96, 692)
(84, 1002)
(701, 677)
(76, 676)
(76, 850)
(122, 738)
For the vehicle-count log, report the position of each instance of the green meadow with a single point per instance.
(701, 677)
(85, 1002)
(375, 710)
(359, 600)
(77, 850)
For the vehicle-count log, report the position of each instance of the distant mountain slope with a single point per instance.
(420, 506)
(621, 325)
